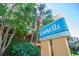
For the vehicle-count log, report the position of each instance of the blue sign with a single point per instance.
(54, 30)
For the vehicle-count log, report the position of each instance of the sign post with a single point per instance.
(57, 32)
(60, 47)
(46, 48)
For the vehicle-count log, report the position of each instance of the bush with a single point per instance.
(74, 52)
(23, 49)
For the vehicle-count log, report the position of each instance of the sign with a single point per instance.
(55, 29)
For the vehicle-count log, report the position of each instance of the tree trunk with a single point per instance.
(3, 43)
(2, 52)
(37, 39)
(32, 37)
(1, 33)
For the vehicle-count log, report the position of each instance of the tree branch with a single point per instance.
(5, 38)
(10, 39)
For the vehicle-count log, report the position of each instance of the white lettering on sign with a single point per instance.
(48, 30)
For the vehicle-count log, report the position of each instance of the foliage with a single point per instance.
(22, 48)
(21, 17)
(43, 12)
(2, 10)
(14, 16)
(74, 52)
(47, 21)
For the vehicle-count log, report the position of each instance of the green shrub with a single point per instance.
(24, 49)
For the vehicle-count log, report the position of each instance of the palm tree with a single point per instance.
(41, 11)
(43, 15)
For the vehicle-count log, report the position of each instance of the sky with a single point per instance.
(71, 14)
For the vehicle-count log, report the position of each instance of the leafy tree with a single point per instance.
(22, 18)
(17, 18)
